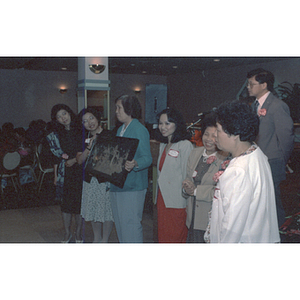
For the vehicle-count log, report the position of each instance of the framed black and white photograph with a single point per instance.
(108, 156)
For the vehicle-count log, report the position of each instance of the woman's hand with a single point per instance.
(70, 162)
(91, 141)
(189, 187)
(129, 165)
(78, 155)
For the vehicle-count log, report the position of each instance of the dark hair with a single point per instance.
(40, 124)
(57, 126)
(132, 106)
(8, 127)
(180, 133)
(95, 112)
(208, 121)
(263, 76)
(49, 127)
(37, 124)
(92, 110)
(238, 118)
(20, 131)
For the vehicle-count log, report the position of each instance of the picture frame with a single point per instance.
(107, 158)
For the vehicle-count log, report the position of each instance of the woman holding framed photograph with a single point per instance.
(95, 205)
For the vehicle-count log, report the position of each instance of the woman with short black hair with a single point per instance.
(243, 209)
(202, 164)
(95, 205)
(128, 202)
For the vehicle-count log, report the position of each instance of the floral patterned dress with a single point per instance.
(95, 203)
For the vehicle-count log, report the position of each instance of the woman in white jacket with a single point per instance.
(173, 156)
(243, 209)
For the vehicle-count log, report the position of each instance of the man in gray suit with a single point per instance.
(276, 129)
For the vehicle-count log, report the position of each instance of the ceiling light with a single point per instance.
(96, 68)
(216, 60)
(64, 69)
(175, 67)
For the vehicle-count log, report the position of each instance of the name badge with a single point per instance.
(217, 194)
(87, 141)
(173, 153)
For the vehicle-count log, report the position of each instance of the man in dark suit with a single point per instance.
(276, 129)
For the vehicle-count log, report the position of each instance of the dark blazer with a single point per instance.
(276, 130)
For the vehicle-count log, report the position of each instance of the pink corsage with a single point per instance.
(262, 112)
(217, 176)
(23, 152)
(210, 160)
(225, 164)
(65, 156)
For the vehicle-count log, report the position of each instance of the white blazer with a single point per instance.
(170, 179)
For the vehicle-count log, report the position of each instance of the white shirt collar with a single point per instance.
(124, 128)
(205, 155)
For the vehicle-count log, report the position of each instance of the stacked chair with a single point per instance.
(41, 170)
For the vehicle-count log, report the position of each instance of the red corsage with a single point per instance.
(262, 112)
(65, 156)
(210, 160)
(217, 176)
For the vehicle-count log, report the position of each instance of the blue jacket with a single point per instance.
(137, 179)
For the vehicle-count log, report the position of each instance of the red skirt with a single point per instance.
(170, 223)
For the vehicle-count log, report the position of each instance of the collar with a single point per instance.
(123, 129)
(205, 155)
(262, 99)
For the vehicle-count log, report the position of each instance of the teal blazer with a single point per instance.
(137, 179)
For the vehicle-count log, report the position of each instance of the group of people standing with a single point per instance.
(85, 196)
(224, 191)
(228, 190)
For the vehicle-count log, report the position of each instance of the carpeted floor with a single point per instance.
(28, 197)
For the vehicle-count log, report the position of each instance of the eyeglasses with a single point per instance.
(250, 84)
